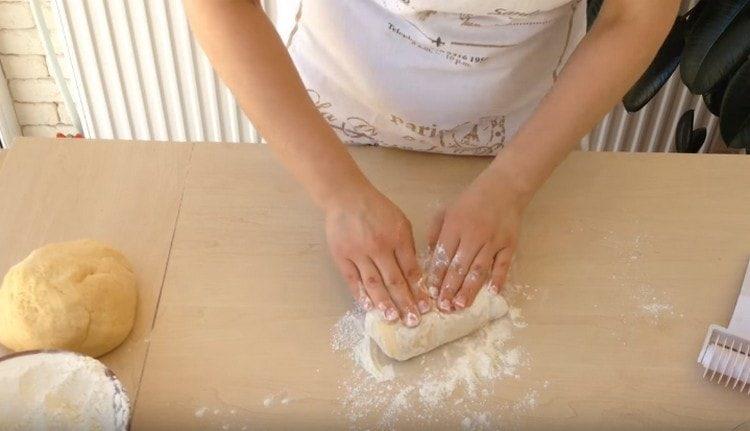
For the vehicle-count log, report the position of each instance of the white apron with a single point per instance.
(447, 76)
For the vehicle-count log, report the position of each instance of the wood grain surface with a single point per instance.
(625, 260)
(125, 194)
(623, 254)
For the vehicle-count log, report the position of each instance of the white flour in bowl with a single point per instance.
(60, 391)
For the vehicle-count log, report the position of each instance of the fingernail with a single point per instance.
(381, 307)
(412, 320)
(459, 302)
(391, 314)
(445, 305)
(433, 291)
(494, 288)
(424, 306)
(366, 303)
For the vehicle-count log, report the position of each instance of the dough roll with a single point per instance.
(401, 342)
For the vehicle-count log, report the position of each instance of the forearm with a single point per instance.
(607, 62)
(249, 56)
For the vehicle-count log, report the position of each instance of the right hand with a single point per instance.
(372, 244)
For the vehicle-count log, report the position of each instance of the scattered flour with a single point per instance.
(515, 317)
(476, 421)
(459, 375)
(399, 403)
(528, 402)
(440, 257)
(348, 335)
(513, 290)
(439, 262)
(277, 398)
(366, 358)
(230, 419)
(656, 309)
(348, 330)
(652, 303)
(648, 301)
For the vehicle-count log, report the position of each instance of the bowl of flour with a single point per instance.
(60, 390)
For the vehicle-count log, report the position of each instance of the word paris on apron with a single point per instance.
(455, 77)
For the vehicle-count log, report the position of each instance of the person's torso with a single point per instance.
(456, 77)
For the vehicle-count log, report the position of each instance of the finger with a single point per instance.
(353, 280)
(406, 257)
(376, 289)
(433, 231)
(456, 274)
(398, 289)
(442, 254)
(478, 275)
(422, 298)
(500, 268)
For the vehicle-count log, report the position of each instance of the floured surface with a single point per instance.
(457, 382)
(244, 222)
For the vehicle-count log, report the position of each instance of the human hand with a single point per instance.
(372, 244)
(473, 241)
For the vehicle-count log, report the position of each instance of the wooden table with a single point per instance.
(125, 194)
(629, 256)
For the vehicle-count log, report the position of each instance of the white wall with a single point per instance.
(35, 96)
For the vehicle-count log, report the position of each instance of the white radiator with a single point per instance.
(139, 74)
(653, 128)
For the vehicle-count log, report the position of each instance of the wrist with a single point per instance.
(510, 180)
(345, 193)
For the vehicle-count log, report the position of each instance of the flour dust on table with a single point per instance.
(455, 380)
(646, 300)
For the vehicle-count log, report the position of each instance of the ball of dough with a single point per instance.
(78, 296)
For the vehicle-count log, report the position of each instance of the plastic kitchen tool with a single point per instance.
(726, 351)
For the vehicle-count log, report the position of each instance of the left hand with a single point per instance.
(473, 240)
